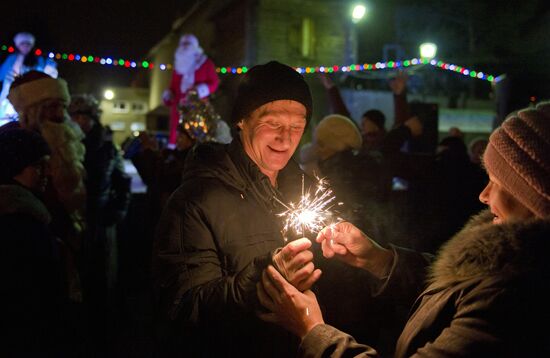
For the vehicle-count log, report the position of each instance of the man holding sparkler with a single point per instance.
(220, 228)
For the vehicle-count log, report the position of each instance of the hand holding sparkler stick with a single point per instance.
(350, 245)
(295, 263)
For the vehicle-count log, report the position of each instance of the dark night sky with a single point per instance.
(118, 28)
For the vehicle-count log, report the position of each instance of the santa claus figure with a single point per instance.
(18, 63)
(193, 70)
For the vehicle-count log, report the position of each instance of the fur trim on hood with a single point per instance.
(15, 199)
(483, 249)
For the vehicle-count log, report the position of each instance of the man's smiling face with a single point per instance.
(272, 133)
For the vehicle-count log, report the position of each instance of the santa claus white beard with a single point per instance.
(185, 61)
(186, 65)
(66, 163)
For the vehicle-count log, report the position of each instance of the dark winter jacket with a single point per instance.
(486, 298)
(32, 287)
(162, 172)
(107, 185)
(216, 234)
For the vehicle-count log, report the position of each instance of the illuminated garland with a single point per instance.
(108, 61)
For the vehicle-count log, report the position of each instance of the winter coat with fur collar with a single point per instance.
(486, 297)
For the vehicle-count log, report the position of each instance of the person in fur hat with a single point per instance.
(41, 103)
(193, 70)
(485, 293)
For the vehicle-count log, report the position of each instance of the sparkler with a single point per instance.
(312, 213)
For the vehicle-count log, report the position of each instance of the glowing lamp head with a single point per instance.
(359, 11)
(428, 50)
(109, 94)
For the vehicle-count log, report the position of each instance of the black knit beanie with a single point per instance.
(20, 148)
(376, 117)
(267, 83)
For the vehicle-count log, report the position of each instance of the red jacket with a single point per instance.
(206, 74)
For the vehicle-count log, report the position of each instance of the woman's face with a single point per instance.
(503, 205)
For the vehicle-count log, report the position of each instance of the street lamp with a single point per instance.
(109, 94)
(428, 50)
(359, 11)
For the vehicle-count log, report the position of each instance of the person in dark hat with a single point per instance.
(107, 200)
(41, 103)
(220, 227)
(30, 269)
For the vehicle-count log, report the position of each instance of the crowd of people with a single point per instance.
(413, 266)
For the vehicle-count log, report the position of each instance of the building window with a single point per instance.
(120, 107)
(117, 126)
(139, 107)
(308, 38)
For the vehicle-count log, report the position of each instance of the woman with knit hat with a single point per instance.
(485, 294)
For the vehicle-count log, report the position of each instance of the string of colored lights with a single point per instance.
(108, 61)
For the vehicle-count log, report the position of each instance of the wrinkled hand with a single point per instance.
(295, 311)
(350, 245)
(295, 263)
(399, 83)
(415, 125)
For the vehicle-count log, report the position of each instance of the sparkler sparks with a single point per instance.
(312, 213)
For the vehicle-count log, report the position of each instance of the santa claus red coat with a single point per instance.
(205, 82)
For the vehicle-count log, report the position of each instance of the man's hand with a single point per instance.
(326, 80)
(399, 83)
(295, 263)
(295, 311)
(350, 245)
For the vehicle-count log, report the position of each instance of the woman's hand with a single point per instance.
(350, 245)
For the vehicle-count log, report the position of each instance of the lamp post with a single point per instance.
(358, 12)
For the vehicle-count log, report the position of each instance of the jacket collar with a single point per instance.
(483, 248)
(15, 199)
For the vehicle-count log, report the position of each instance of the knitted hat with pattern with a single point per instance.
(518, 155)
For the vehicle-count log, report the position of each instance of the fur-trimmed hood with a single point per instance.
(483, 248)
(15, 199)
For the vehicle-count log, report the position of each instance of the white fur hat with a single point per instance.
(23, 37)
(29, 93)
